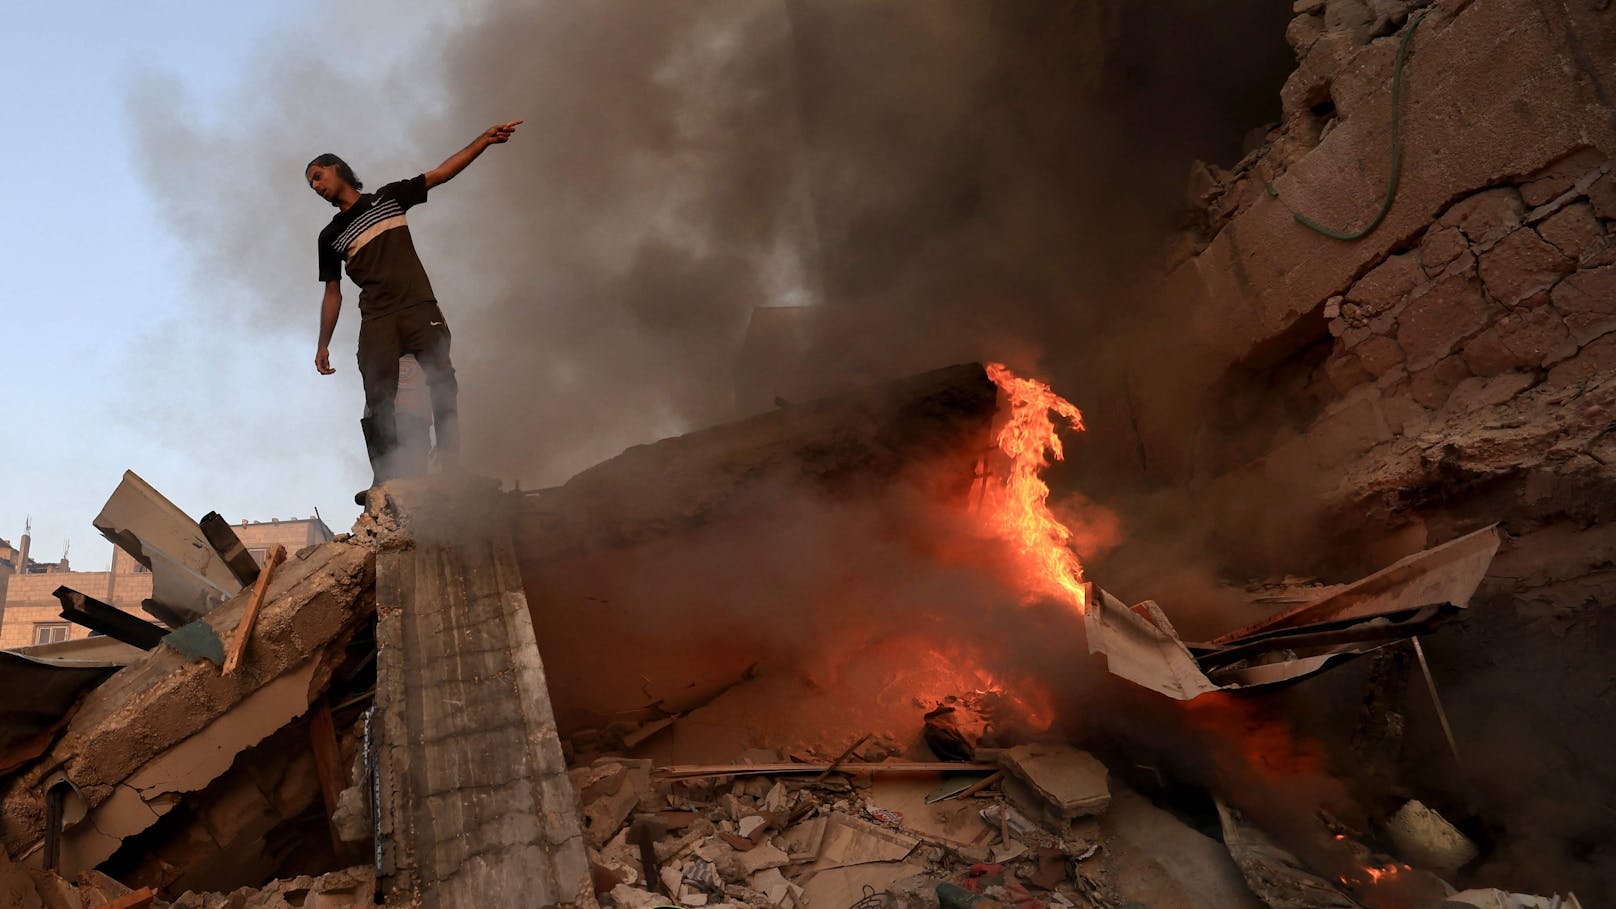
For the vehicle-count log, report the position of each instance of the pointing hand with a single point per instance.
(500, 132)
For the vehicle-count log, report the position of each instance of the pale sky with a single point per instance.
(117, 351)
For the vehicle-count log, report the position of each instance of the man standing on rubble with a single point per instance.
(398, 312)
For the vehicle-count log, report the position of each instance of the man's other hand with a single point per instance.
(500, 132)
(322, 361)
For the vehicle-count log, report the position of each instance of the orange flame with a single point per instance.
(1373, 875)
(1018, 510)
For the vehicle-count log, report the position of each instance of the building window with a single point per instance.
(50, 632)
(259, 554)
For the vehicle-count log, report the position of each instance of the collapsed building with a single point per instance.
(804, 660)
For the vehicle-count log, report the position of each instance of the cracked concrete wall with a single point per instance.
(1329, 405)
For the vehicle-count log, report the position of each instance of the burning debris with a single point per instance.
(422, 709)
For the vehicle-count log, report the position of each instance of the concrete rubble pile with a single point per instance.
(380, 716)
(565, 697)
(301, 776)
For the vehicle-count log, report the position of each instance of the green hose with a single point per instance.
(1397, 151)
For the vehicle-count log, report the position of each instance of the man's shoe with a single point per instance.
(362, 498)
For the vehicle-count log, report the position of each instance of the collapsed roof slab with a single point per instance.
(846, 444)
(168, 724)
(593, 550)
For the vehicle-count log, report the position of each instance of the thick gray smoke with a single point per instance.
(940, 180)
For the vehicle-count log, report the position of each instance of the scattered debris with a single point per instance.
(1498, 899)
(1397, 602)
(1277, 877)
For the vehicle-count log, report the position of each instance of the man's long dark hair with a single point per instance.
(343, 170)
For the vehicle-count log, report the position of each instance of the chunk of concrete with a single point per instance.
(1164, 863)
(1072, 782)
(1425, 838)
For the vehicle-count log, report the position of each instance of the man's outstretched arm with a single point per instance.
(455, 163)
(329, 307)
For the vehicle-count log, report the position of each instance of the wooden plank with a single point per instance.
(139, 899)
(254, 603)
(327, 763)
(697, 771)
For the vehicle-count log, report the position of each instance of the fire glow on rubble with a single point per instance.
(1374, 877)
(1018, 509)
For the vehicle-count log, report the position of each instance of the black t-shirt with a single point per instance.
(372, 237)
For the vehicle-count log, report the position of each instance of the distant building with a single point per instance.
(31, 615)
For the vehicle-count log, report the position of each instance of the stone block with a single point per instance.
(1527, 338)
(1587, 301)
(1574, 231)
(1478, 392)
(1072, 782)
(1387, 283)
(1433, 322)
(1346, 372)
(1595, 359)
(1431, 387)
(1350, 17)
(1352, 427)
(1440, 246)
(1521, 265)
(1404, 415)
(1426, 838)
(1379, 355)
(1486, 355)
(1487, 217)
(1602, 195)
(1303, 33)
(1560, 176)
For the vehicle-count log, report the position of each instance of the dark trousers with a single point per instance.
(422, 331)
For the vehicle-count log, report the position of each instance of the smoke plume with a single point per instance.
(938, 181)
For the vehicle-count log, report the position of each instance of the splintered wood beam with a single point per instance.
(139, 899)
(254, 603)
(327, 762)
(700, 771)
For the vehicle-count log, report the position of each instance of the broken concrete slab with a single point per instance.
(846, 886)
(158, 712)
(155, 788)
(475, 803)
(956, 821)
(188, 576)
(762, 857)
(859, 438)
(1163, 863)
(1425, 838)
(1276, 876)
(1069, 783)
(850, 841)
(608, 792)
